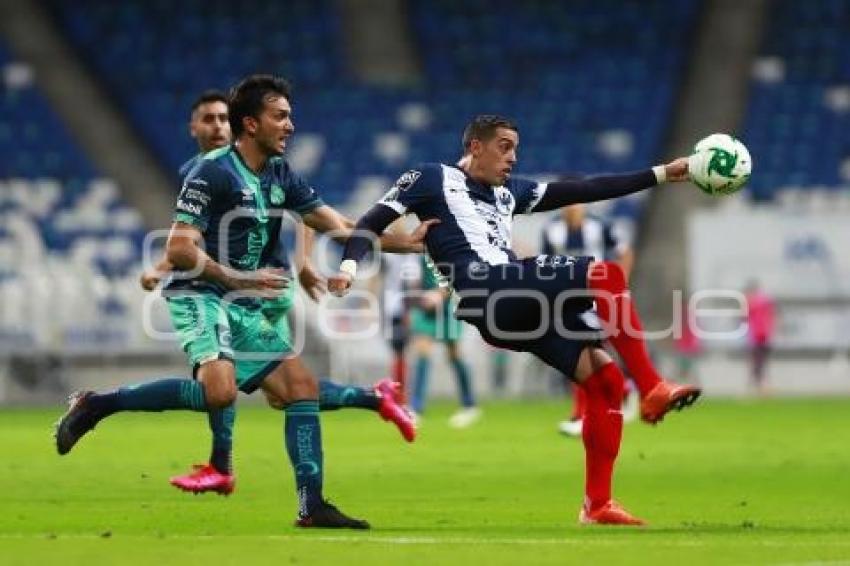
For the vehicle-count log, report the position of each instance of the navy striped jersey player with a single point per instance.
(476, 220)
(533, 304)
(593, 237)
(471, 246)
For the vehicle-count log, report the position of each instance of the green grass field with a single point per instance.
(725, 482)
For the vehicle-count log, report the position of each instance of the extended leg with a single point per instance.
(215, 390)
(618, 314)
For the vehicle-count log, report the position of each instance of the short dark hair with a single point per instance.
(484, 126)
(208, 96)
(249, 96)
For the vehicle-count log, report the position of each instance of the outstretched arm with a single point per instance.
(374, 222)
(343, 230)
(603, 187)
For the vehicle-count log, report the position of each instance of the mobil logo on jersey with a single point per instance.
(249, 202)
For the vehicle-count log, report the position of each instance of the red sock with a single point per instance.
(602, 431)
(399, 375)
(579, 402)
(617, 312)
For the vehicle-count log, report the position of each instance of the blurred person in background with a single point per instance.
(432, 320)
(688, 347)
(761, 326)
(573, 232)
(208, 126)
(399, 274)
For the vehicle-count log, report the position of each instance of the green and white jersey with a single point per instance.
(237, 211)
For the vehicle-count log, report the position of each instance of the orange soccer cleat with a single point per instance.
(666, 396)
(611, 513)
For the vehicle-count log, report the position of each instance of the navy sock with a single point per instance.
(221, 425)
(420, 385)
(160, 395)
(303, 436)
(464, 383)
(333, 396)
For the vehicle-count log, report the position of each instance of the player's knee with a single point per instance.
(302, 389)
(220, 397)
(276, 402)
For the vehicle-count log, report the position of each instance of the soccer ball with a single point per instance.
(720, 165)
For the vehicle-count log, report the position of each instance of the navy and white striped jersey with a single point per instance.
(595, 237)
(475, 219)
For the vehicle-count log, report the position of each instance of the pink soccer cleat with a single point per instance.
(391, 410)
(205, 478)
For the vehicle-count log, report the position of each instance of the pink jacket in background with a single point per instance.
(760, 317)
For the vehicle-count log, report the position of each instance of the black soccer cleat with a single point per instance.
(75, 423)
(327, 516)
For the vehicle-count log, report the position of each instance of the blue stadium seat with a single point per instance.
(795, 137)
(565, 71)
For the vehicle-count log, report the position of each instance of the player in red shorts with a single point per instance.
(537, 304)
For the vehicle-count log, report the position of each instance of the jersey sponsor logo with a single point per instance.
(276, 195)
(189, 207)
(196, 195)
(554, 260)
(405, 181)
(248, 203)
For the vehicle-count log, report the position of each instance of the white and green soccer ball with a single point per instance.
(720, 165)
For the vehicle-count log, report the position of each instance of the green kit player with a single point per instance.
(228, 211)
(210, 127)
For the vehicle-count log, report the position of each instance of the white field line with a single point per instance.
(435, 541)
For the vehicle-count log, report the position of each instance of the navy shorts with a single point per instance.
(538, 305)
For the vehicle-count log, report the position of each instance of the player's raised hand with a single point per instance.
(677, 170)
(340, 283)
(313, 283)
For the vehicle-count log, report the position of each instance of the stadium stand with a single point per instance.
(67, 240)
(590, 102)
(798, 122)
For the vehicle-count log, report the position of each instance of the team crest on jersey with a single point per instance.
(277, 195)
(504, 202)
(405, 181)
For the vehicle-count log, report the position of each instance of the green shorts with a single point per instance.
(211, 329)
(275, 310)
(440, 325)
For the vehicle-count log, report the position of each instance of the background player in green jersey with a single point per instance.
(229, 208)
